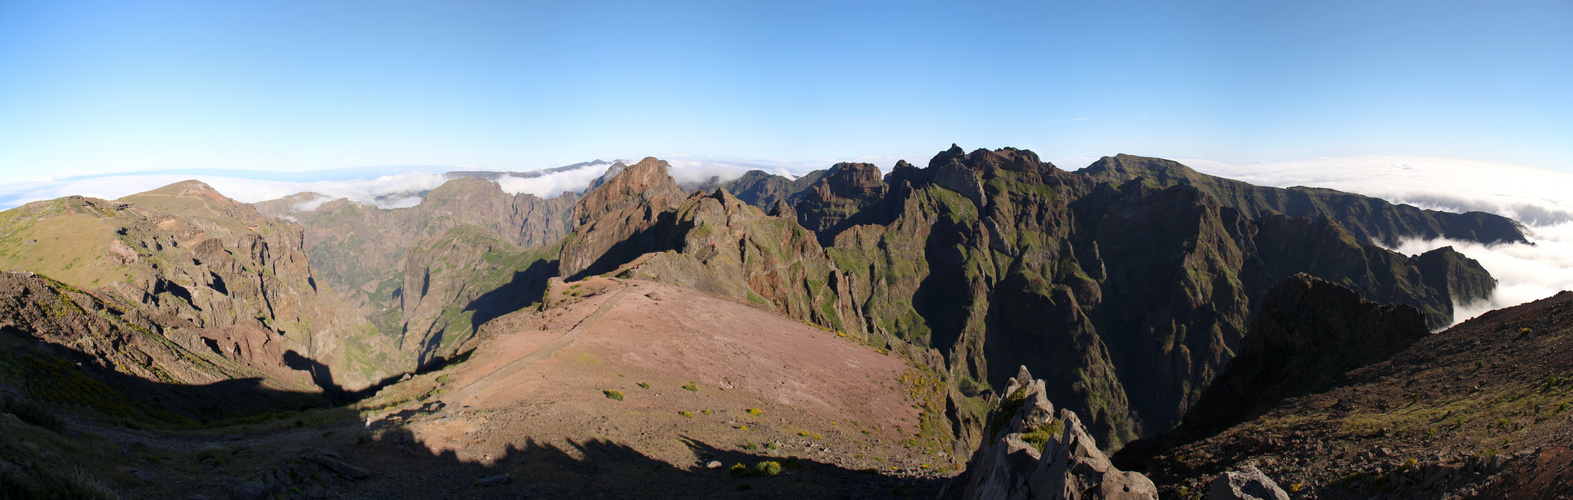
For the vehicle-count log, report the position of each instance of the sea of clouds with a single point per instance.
(1541, 199)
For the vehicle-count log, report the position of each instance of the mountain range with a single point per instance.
(1134, 305)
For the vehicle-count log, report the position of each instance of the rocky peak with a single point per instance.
(643, 183)
(1031, 450)
(611, 221)
(853, 180)
(837, 200)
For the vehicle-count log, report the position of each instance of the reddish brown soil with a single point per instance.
(832, 411)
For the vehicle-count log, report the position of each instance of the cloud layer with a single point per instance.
(1541, 199)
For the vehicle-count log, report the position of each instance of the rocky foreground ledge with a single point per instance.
(1032, 451)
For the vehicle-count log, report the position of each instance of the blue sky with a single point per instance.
(95, 88)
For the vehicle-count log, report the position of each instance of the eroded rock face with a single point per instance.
(831, 204)
(206, 272)
(611, 221)
(1032, 451)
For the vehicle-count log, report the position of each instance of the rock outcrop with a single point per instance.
(1033, 451)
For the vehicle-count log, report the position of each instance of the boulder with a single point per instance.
(1247, 483)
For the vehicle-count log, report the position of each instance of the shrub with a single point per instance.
(765, 468)
(32, 414)
(750, 446)
(613, 394)
(686, 413)
(643, 385)
(743, 427)
(754, 411)
(706, 412)
(691, 387)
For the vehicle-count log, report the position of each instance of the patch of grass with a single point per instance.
(691, 387)
(750, 446)
(743, 427)
(613, 394)
(811, 435)
(1039, 437)
(643, 385)
(754, 411)
(686, 413)
(706, 412)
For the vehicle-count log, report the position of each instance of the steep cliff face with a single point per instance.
(1370, 219)
(422, 274)
(1308, 332)
(849, 189)
(205, 271)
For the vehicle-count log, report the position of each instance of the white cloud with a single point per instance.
(1541, 199)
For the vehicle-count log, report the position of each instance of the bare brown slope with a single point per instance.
(701, 378)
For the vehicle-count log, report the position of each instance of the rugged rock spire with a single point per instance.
(1032, 451)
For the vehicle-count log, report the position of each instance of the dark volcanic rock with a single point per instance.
(1308, 332)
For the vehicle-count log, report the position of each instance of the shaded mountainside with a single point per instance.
(1479, 410)
(1370, 219)
(764, 190)
(206, 271)
(1128, 298)
(428, 275)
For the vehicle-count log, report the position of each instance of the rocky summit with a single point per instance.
(981, 325)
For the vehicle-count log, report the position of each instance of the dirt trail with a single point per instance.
(459, 397)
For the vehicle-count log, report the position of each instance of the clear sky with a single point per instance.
(90, 88)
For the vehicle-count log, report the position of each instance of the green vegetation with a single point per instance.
(691, 387)
(613, 394)
(765, 468)
(1039, 437)
(754, 411)
(686, 413)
